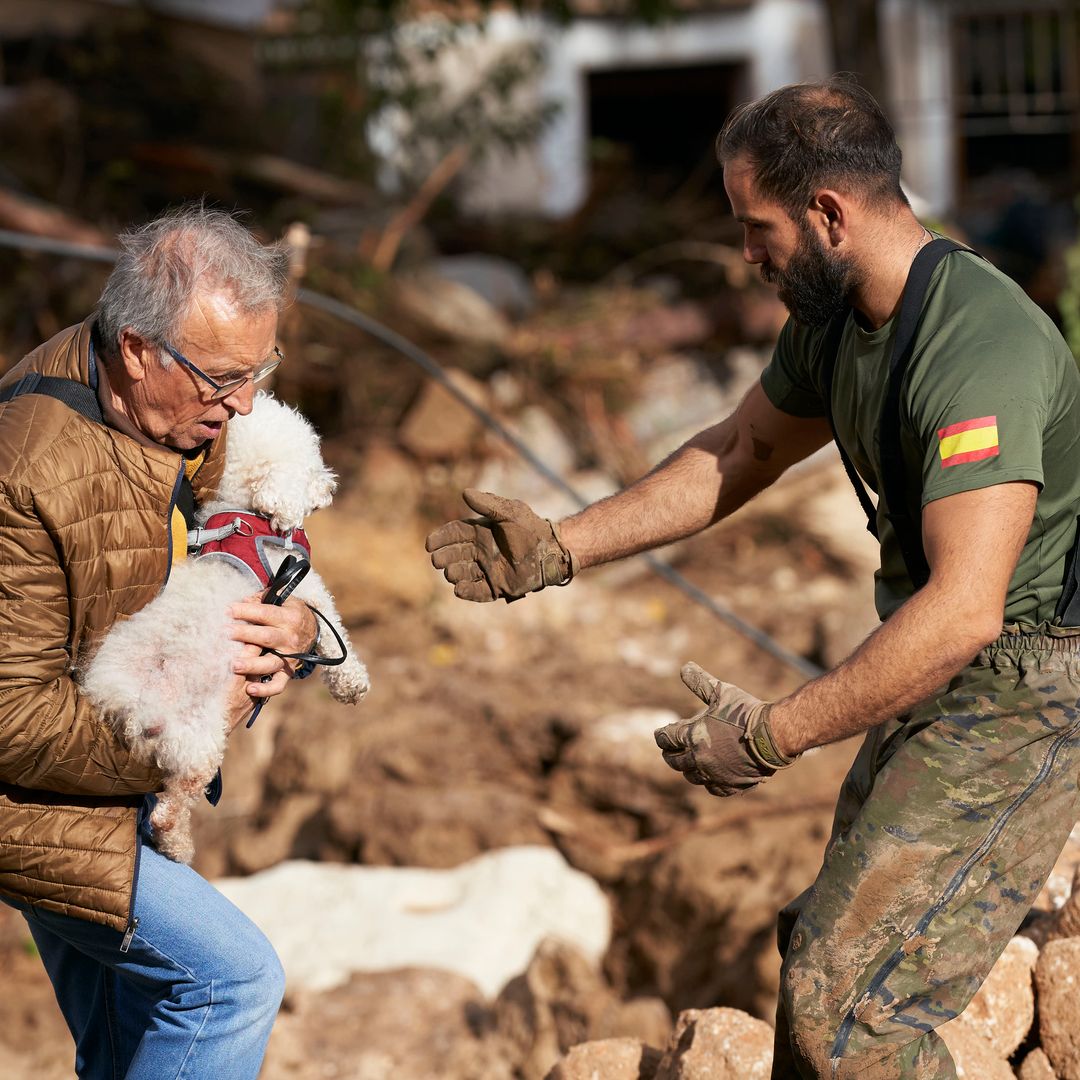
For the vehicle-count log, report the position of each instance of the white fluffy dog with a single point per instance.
(162, 676)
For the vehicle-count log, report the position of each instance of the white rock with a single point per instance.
(483, 919)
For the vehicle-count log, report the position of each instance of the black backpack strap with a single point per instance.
(834, 335)
(893, 485)
(185, 501)
(75, 395)
(908, 528)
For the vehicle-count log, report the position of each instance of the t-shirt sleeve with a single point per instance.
(786, 380)
(979, 402)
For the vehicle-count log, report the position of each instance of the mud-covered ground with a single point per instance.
(476, 736)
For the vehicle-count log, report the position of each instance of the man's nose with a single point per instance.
(240, 400)
(754, 252)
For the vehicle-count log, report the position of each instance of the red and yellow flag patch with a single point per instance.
(970, 440)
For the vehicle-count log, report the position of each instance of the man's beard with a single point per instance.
(817, 282)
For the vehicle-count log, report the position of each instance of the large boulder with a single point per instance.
(614, 765)
(607, 1059)
(1057, 975)
(449, 309)
(718, 1044)
(482, 920)
(1036, 1066)
(378, 1026)
(439, 425)
(562, 1000)
(975, 1058)
(1003, 1008)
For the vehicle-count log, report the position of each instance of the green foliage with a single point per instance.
(419, 96)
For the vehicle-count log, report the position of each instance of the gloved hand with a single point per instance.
(727, 747)
(508, 552)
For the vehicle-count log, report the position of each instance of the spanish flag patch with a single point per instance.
(970, 440)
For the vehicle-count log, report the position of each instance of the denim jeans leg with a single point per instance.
(89, 1010)
(194, 998)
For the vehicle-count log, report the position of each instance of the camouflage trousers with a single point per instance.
(947, 826)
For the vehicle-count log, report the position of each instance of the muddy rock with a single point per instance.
(500, 282)
(379, 1026)
(975, 1058)
(718, 1044)
(400, 825)
(1003, 1008)
(562, 1000)
(293, 831)
(439, 426)
(696, 923)
(1057, 980)
(449, 309)
(1036, 1066)
(614, 764)
(388, 486)
(608, 1059)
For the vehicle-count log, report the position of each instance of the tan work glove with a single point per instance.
(508, 552)
(727, 747)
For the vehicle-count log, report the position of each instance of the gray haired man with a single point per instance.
(106, 431)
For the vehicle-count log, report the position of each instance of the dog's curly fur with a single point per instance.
(161, 677)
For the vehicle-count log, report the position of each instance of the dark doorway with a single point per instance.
(665, 119)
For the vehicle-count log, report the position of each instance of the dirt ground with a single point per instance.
(475, 737)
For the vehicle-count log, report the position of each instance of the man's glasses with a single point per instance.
(223, 390)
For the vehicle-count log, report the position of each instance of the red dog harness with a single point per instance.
(246, 540)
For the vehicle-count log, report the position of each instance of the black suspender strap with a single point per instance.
(834, 335)
(75, 395)
(908, 528)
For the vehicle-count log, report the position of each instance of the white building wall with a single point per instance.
(915, 38)
(781, 41)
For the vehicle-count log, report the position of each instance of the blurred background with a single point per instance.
(526, 193)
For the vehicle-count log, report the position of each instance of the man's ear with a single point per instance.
(136, 354)
(830, 212)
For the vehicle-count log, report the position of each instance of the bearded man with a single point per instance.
(965, 787)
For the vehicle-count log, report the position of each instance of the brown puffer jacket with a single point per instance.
(84, 540)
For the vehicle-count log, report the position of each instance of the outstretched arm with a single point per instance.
(509, 551)
(703, 481)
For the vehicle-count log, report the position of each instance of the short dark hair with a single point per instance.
(807, 136)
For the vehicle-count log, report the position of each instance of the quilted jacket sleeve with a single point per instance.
(49, 737)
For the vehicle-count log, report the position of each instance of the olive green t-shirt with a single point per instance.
(991, 395)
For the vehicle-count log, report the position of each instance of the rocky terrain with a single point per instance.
(523, 734)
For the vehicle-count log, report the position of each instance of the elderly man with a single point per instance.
(965, 788)
(107, 431)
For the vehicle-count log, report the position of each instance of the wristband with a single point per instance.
(761, 746)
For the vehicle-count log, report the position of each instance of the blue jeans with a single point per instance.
(193, 998)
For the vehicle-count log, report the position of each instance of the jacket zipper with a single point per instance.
(133, 921)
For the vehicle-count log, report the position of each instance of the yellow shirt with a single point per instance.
(179, 525)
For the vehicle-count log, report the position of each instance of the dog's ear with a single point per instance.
(264, 489)
(323, 485)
